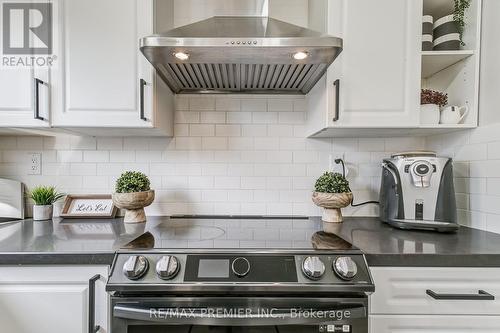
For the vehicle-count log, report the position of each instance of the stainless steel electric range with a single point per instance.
(320, 288)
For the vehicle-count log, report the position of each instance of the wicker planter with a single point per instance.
(134, 204)
(331, 204)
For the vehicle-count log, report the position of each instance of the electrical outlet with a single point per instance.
(35, 164)
(334, 167)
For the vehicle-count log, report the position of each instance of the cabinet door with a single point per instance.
(50, 299)
(17, 78)
(403, 290)
(99, 78)
(434, 324)
(379, 67)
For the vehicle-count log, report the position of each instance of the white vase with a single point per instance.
(42, 212)
(429, 114)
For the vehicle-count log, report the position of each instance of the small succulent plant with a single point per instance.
(44, 195)
(429, 96)
(132, 181)
(332, 182)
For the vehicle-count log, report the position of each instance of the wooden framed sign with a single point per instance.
(88, 205)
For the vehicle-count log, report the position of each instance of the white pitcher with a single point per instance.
(453, 114)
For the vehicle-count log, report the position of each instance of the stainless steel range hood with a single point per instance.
(241, 54)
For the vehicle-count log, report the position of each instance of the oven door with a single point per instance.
(238, 314)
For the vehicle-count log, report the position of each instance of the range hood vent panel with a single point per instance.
(241, 55)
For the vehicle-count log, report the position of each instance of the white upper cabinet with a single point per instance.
(20, 105)
(102, 79)
(376, 78)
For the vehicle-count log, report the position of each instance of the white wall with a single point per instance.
(238, 155)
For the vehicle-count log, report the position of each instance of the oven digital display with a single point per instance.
(213, 268)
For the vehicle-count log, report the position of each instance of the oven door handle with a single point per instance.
(217, 316)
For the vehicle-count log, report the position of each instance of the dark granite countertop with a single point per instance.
(95, 241)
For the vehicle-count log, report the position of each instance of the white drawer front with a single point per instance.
(434, 324)
(402, 290)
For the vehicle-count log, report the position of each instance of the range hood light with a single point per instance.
(300, 55)
(181, 56)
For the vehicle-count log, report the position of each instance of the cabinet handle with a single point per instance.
(93, 328)
(481, 296)
(336, 83)
(37, 100)
(142, 84)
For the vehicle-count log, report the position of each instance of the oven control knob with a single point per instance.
(240, 266)
(345, 268)
(313, 268)
(135, 267)
(167, 267)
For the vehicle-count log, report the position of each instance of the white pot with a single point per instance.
(429, 114)
(41, 213)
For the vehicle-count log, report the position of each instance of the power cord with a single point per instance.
(341, 161)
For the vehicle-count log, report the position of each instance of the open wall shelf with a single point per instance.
(455, 72)
(435, 61)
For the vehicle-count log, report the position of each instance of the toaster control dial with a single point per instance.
(135, 267)
(313, 268)
(167, 267)
(345, 268)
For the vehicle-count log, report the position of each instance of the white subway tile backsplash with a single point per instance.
(201, 130)
(240, 143)
(227, 130)
(202, 103)
(8, 142)
(227, 182)
(188, 143)
(264, 117)
(96, 156)
(66, 156)
(473, 152)
(187, 117)
(371, 144)
(29, 142)
(106, 143)
(254, 105)
(181, 130)
(280, 105)
(476, 168)
(494, 150)
(239, 117)
(208, 117)
(291, 117)
(235, 154)
(253, 130)
(117, 156)
(227, 104)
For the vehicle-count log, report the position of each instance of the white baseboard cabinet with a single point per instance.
(435, 299)
(53, 299)
(434, 324)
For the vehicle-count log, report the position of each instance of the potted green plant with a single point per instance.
(133, 193)
(430, 102)
(332, 193)
(44, 197)
(460, 6)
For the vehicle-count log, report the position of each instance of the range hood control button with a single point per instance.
(135, 267)
(240, 266)
(167, 267)
(313, 268)
(345, 268)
